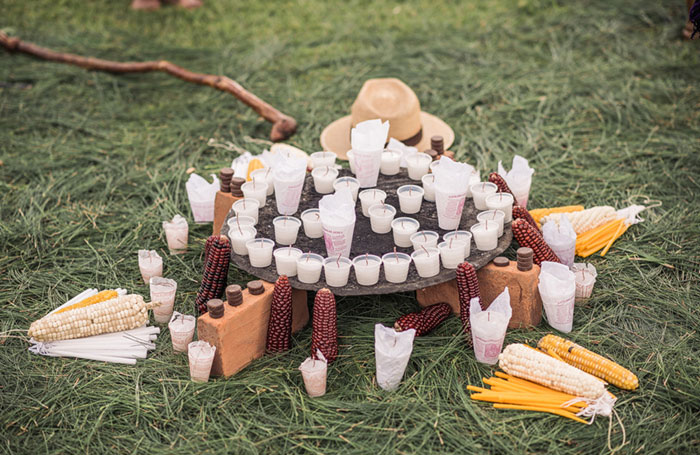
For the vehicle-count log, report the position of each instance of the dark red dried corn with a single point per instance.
(530, 237)
(279, 327)
(324, 335)
(424, 321)
(217, 255)
(502, 185)
(467, 288)
(519, 212)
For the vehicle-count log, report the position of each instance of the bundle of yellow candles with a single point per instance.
(601, 237)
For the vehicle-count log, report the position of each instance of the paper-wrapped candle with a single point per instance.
(367, 141)
(451, 183)
(427, 261)
(349, 183)
(427, 239)
(321, 159)
(247, 207)
(286, 229)
(163, 290)
(313, 228)
(396, 267)
(176, 233)
(480, 191)
(464, 236)
(289, 174)
(338, 219)
(452, 253)
(239, 236)
(392, 351)
(370, 197)
(367, 269)
(557, 288)
(201, 357)
(403, 229)
(323, 179)
(150, 264)
(380, 217)
(489, 327)
(485, 235)
(519, 179)
(309, 267)
(264, 176)
(410, 198)
(255, 190)
(260, 252)
(391, 162)
(585, 275)
(418, 165)
(314, 371)
(428, 181)
(181, 328)
(337, 271)
(286, 260)
(492, 216)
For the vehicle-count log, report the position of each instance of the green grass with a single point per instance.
(601, 96)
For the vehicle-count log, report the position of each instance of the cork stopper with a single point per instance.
(225, 176)
(437, 143)
(215, 307)
(255, 287)
(525, 256)
(501, 261)
(235, 186)
(234, 295)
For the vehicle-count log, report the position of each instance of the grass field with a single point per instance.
(601, 96)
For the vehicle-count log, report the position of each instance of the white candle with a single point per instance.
(418, 165)
(380, 217)
(260, 252)
(427, 261)
(474, 178)
(264, 176)
(324, 177)
(163, 290)
(309, 267)
(463, 236)
(150, 264)
(236, 221)
(485, 235)
(350, 183)
(255, 190)
(286, 260)
(391, 162)
(312, 223)
(367, 269)
(396, 267)
(410, 198)
(403, 229)
(181, 328)
(313, 371)
(176, 233)
(502, 202)
(351, 160)
(492, 216)
(427, 239)
(286, 229)
(247, 207)
(239, 236)
(337, 271)
(428, 181)
(452, 253)
(201, 356)
(370, 197)
(479, 193)
(320, 159)
(488, 332)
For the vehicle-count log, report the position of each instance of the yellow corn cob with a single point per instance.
(523, 362)
(125, 312)
(254, 165)
(538, 214)
(97, 298)
(590, 362)
(585, 220)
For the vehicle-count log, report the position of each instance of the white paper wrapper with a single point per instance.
(201, 195)
(338, 219)
(150, 264)
(392, 351)
(176, 234)
(585, 279)
(314, 372)
(288, 173)
(163, 290)
(405, 150)
(489, 327)
(451, 183)
(367, 140)
(558, 289)
(519, 179)
(201, 356)
(561, 239)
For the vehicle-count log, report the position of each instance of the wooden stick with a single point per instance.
(283, 126)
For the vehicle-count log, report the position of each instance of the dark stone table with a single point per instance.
(367, 241)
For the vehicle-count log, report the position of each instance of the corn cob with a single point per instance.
(324, 335)
(279, 327)
(590, 362)
(530, 237)
(525, 362)
(519, 212)
(585, 220)
(97, 298)
(467, 289)
(125, 312)
(538, 214)
(425, 320)
(217, 255)
(503, 187)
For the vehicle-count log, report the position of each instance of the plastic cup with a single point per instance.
(264, 176)
(585, 275)
(474, 178)
(313, 228)
(464, 236)
(427, 239)
(286, 260)
(324, 177)
(452, 253)
(150, 265)
(449, 205)
(485, 235)
(351, 160)
(337, 271)
(350, 183)
(247, 207)
(314, 371)
(427, 261)
(428, 181)
(240, 235)
(410, 198)
(502, 202)
(396, 267)
(163, 290)
(255, 190)
(309, 267)
(286, 229)
(403, 228)
(367, 165)
(337, 236)
(236, 221)
(488, 332)
(177, 235)
(418, 165)
(367, 269)
(480, 191)
(370, 197)
(181, 328)
(492, 216)
(288, 194)
(260, 252)
(391, 162)
(321, 159)
(201, 357)
(380, 217)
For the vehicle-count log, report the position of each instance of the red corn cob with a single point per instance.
(500, 182)
(217, 257)
(530, 237)
(425, 320)
(279, 327)
(519, 212)
(324, 336)
(467, 288)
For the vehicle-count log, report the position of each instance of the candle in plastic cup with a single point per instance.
(309, 267)
(150, 265)
(236, 221)
(502, 202)
(391, 162)
(321, 159)
(452, 253)
(337, 271)
(163, 290)
(247, 207)
(314, 371)
(488, 332)
(380, 217)
(201, 357)
(560, 314)
(367, 165)
(485, 235)
(418, 165)
(255, 190)
(176, 234)
(480, 191)
(474, 178)
(367, 269)
(463, 236)
(449, 203)
(313, 228)
(181, 328)
(492, 216)
(585, 275)
(410, 198)
(260, 252)
(392, 351)
(370, 197)
(264, 176)
(428, 181)
(323, 179)
(240, 235)
(427, 261)
(403, 228)
(350, 183)
(427, 239)
(286, 260)
(396, 267)
(288, 194)
(286, 229)
(351, 160)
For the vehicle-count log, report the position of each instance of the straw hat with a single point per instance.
(388, 99)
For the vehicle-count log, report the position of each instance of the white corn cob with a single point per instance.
(122, 313)
(528, 363)
(585, 220)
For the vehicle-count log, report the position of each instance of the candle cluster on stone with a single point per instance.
(279, 329)
(467, 288)
(530, 237)
(424, 321)
(217, 254)
(324, 336)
